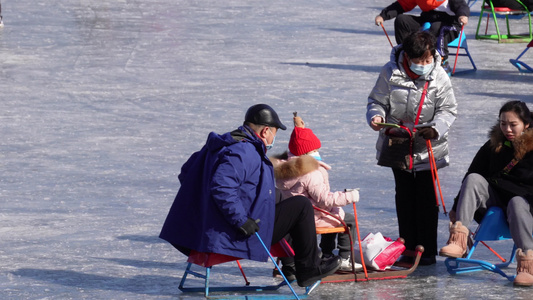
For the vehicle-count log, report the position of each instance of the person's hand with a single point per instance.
(375, 120)
(463, 20)
(378, 20)
(428, 133)
(249, 227)
(352, 195)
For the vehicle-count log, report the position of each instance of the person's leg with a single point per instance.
(475, 195)
(519, 216)
(521, 227)
(405, 207)
(404, 25)
(343, 239)
(327, 244)
(295, 216)
(508, 3)
(426, 215)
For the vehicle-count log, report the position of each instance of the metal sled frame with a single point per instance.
(244, 291)
(520, 65)
(488, 8)
(398, 270)
(493, 228)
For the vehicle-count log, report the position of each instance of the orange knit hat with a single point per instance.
(303, 140)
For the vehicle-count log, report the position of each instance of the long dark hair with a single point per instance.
(520, 109)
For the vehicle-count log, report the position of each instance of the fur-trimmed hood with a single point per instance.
(286, 167)
(304, 175)
(521, 144)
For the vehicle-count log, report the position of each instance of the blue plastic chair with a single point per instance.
(471, 3)
(493, 227)
(208, 260)
(459, 42)
(520, 65)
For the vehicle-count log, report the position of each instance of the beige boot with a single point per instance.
(524, 268)
(456, 245)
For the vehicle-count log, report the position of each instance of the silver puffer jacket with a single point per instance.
(396, 97)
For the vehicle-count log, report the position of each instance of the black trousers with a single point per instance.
(417, 210)
(327, 242)
(406, 24)
(513, 4)
(295, 216)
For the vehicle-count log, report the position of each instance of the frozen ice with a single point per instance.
(103, 101)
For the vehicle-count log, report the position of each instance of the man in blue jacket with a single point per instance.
(227, 194)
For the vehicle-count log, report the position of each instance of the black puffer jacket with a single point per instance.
(496, 154)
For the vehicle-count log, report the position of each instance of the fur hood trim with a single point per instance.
(522, 144)
(293, 168)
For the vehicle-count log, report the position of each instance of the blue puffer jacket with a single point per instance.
(227, 181)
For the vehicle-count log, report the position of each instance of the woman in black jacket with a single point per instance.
(501, 174)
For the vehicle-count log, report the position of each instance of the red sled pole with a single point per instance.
(386, 35)
(458, 47)
(435, 176)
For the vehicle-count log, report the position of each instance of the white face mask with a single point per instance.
(316, 155)
(268, 147)
(420, 69)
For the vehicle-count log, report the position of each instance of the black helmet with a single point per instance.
(262, 114)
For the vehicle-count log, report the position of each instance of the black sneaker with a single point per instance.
(288, 271)
(326, 268)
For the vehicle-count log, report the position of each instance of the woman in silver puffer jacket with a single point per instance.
(396, 99)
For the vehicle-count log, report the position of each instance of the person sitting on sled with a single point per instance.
(501, 174)
(446, 18)
(301, 171)
(227, 194)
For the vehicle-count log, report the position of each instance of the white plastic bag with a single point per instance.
(379, 252)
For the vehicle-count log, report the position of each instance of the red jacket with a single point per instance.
(452, 7)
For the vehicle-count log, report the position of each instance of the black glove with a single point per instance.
(428, 133)
(249, 227)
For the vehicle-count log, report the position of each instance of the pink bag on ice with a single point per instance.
(380, 252)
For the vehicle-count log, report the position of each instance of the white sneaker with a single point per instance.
(346, 265)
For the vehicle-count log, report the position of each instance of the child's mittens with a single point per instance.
(298, 122)
(352, 195)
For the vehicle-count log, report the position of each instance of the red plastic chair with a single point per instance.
(209, 260)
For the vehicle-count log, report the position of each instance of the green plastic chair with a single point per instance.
(488, 8)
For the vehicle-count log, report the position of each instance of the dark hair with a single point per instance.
(520, 109)
(416, 44)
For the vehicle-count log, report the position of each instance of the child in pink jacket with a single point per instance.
(301, 171)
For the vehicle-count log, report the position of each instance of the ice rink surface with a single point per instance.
(103, 101)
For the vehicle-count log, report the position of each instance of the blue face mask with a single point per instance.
(316, 156)
(268, 147)
(421, 69)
